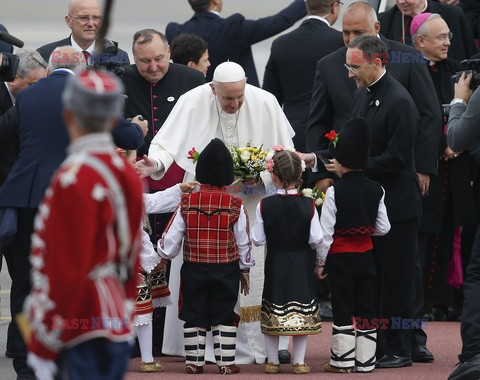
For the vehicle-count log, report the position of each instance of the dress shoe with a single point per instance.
(193, 369)
(467, 370)
(151, 367)
(272, 368)
(301, 369)
(420, 354)
(228, 369)
(284, 356)
(393, 361)
(332, 369)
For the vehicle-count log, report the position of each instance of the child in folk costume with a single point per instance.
(352, 212)
(152, 285)
(213, 226)
(288, 224)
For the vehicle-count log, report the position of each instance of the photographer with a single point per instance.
(463, 133)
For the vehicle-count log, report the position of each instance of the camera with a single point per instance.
(8, 67)
(471, 66)
(110, 59)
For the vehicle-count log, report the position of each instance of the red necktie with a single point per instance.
(87, 55)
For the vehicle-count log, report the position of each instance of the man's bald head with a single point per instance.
(359, 19)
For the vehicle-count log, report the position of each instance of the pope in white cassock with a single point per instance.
(236, 112)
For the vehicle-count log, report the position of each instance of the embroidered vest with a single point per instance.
(209, 218)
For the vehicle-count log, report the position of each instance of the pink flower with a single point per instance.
(269, 164)
(278, 148)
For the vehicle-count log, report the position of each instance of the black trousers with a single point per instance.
(352, 280)
(396, 256)
(470, 325)
(209, 293)
(21, 285)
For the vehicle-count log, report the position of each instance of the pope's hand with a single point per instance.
(146, 167)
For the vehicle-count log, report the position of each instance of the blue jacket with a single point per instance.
(232, 38)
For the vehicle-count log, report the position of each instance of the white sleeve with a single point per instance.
(258, 232)
(242, 238)
(328, 219)
(382, 224)
(163, 201)
(148, 256)
(156, 152)
(171, 242)
(315, 231)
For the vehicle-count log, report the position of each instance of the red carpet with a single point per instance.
(443, 340)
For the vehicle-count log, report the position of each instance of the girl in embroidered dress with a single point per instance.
(288, 224)
(152, 285)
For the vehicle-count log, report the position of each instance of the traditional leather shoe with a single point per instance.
(420, 354)
(332, 369)
(228, 369)
(467, 370)
(151, 367)
(393, 361)
(284, 356)
(300, 369)
(193, 369)
(272, 368)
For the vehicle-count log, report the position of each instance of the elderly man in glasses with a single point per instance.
(84, 18)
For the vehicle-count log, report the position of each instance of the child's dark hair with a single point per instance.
(287, 166)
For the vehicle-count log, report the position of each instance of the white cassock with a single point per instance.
(194, 121)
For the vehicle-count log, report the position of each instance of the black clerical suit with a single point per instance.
(333, 91)
(463, 43)
(449, 203)
(393, 119)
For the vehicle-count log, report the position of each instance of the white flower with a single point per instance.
(307, 192)
(318, 202)
(245, 156)
(304, 166)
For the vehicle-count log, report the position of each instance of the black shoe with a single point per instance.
(467, 370)
(393, 361)
(420, 354)
(284, 356)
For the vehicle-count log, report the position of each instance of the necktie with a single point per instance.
(87, 55)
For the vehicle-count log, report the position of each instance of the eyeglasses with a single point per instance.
(443, 37)
(84, 19)
(354, 70)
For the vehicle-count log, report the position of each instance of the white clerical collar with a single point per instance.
(288, 191)
(12, 98)
(321, 18)
(380, 77)
(215, 12)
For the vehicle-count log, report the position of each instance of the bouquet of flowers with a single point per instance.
(316, 194)
(248, 161)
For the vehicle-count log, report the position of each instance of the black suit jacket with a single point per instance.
(121, 57)
(290, 70)
(232, 38)
(8, 133)
(333, 92)
(463, 43)
(393, 119)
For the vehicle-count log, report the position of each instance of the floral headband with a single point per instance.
(278, 148)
